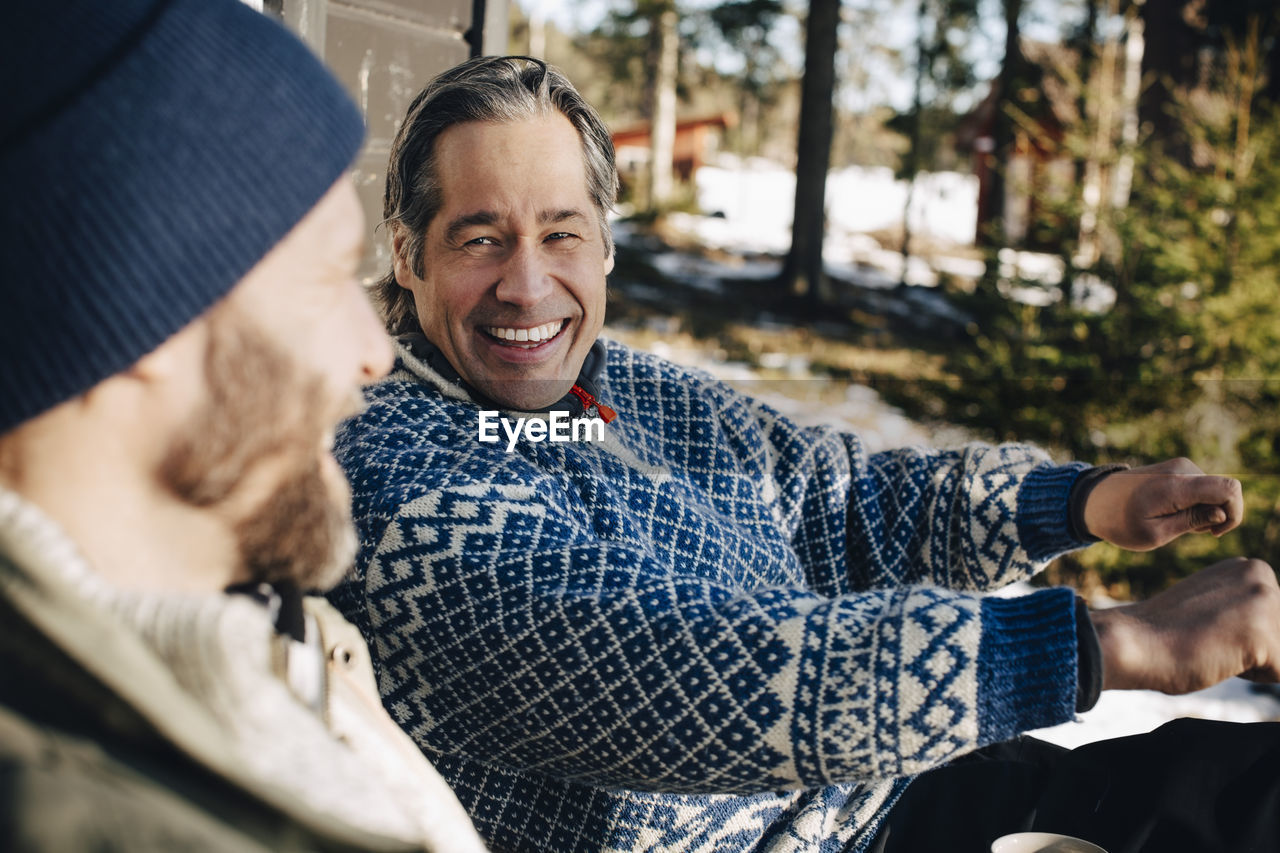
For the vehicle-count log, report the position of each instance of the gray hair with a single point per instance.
(490, 89)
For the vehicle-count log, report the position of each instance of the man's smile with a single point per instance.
(526, 337)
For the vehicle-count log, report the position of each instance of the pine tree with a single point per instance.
(1187, 361)
(802, 272)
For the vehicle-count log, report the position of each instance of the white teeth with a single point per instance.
(545, 332)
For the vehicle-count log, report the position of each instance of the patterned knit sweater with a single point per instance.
(713, 630)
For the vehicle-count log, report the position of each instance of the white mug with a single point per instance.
(1042, 842)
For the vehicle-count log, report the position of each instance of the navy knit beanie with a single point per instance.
(151, 152)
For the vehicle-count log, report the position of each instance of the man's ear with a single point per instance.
(608, 262)
(399, 256)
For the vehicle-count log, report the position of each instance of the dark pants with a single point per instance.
(1190, 785)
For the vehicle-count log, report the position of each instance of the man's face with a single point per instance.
(513, 291)
(287, 352)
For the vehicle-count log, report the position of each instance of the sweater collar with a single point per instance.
(582, 397)
(32, 539)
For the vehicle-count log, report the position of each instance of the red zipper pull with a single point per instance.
(606, 414)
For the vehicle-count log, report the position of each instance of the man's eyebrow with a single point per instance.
(468, 220)
(550, 217)
(461, 223)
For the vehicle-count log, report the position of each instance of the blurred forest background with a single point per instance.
(1131, 148)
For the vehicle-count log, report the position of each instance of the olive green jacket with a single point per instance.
(101, 749)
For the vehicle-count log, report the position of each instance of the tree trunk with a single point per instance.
(1091, 109)
(911, 163)
(749, 109)
(662, 128)
(1272, 90)
(1245, 61)
(1134, 47)
(1012, 74)
(1102, 148)
(802, 273)
(1088, 50)
(1169, 62)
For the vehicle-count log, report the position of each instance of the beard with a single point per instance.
(264, 415)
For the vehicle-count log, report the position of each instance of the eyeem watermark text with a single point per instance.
(557, 426)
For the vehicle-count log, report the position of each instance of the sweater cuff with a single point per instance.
(1027, 663)
(1044, 511)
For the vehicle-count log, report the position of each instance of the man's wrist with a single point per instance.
(1122, 650)
(1079, 497)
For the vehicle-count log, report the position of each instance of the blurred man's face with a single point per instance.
(513, 291)
(287, 353)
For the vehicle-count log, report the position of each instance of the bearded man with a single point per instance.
(180, 332)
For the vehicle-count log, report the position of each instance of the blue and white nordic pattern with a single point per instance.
(714, 631)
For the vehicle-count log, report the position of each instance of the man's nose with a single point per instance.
(376, 353)
(525, 278)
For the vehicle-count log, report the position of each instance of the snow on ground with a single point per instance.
(753, 200)
(749, 202)
(755, 197)
(1130, 712)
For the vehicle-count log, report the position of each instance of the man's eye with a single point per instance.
(482, 241)
(561, 235)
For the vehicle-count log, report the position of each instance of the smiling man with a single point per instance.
(181, 331)
(712, 630)
(527, 224)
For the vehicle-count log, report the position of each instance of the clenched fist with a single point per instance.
(1144, 508)
(1220, 622)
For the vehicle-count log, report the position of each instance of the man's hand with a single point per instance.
(1220, 622)
(1147, 507)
